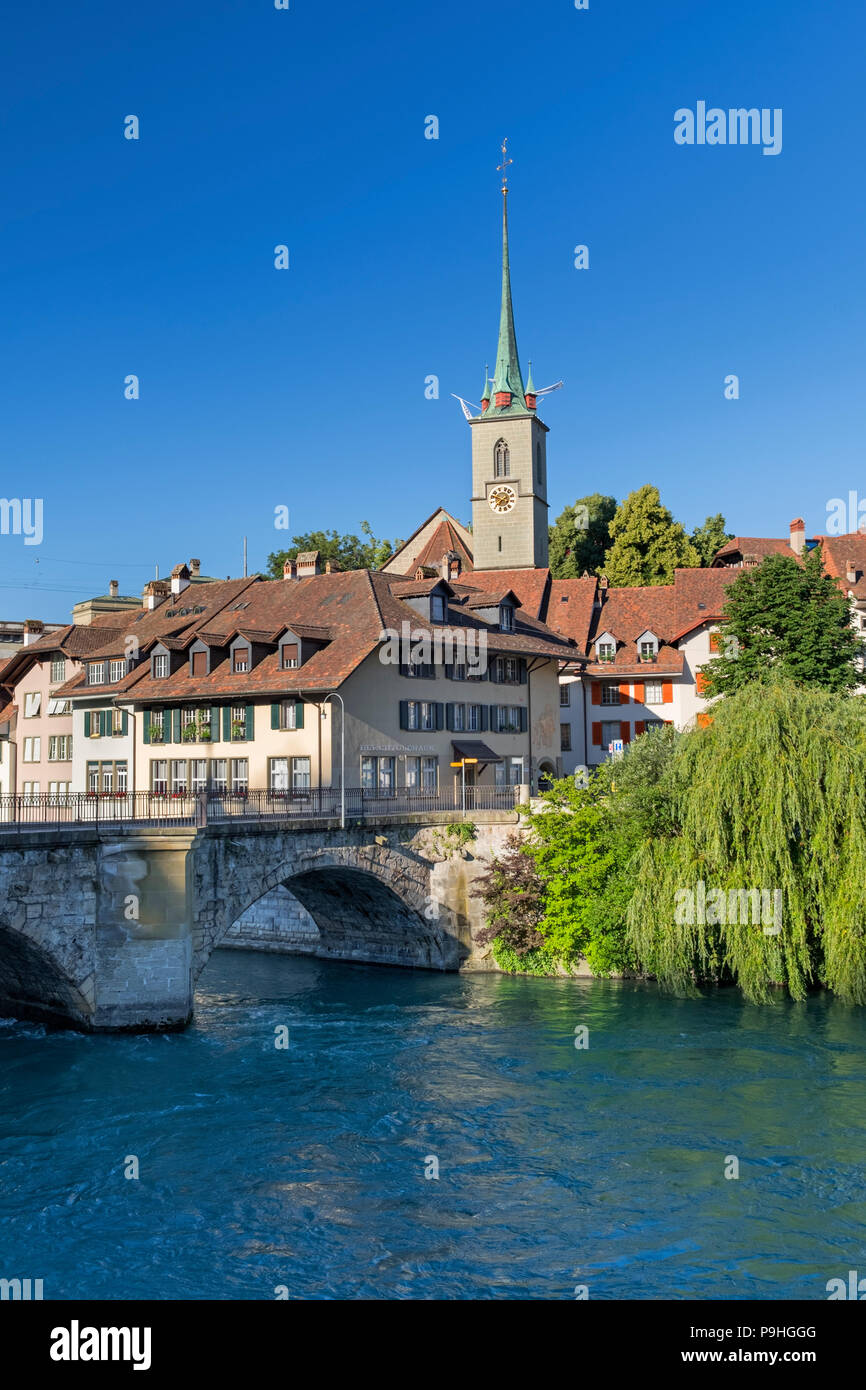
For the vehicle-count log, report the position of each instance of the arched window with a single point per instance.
(501, 460)
(538, 462)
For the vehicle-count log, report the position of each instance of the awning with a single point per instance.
(479, 752)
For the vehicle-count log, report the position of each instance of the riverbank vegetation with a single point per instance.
(665, 864)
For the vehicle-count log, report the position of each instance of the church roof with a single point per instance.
(507, 375)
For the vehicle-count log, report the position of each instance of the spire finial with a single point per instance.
(503, 167)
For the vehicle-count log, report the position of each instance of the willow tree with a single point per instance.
(769, 799)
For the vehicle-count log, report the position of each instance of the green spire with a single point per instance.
(485, 393)
(530, 385)
(507, 375)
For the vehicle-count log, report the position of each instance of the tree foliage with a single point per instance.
(785, 620)
(647, 545)
(710, 537)
(513, 895)
(771, 796)
(349, 552)
(580, 537)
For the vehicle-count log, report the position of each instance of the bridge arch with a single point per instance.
(33, 985)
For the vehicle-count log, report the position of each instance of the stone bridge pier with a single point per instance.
(109, 928)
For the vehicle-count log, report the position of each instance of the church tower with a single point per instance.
(509, 452)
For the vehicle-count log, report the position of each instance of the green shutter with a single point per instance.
(175, 719)
(523, 717)
(87, 723)
(439, 711)
(105, 722)
(449, 716)
(404, 714)
(124, 723)
(299, 715)
(215, 724)
(145, 725)
(227, 723)
(275, 716)
(249, 732)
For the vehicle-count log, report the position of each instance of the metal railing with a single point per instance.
(23, 811)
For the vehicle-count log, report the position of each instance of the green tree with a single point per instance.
(349, 552)
(770, 798)
(581, 536)
(785, 620)
(647, 544)
(710, 537)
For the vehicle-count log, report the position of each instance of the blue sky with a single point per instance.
(305, 388)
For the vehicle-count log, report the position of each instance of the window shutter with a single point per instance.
(439, 710)
(704, 720)
(227, 723)
(624, 693)
(449, 716)
(493, 671)
(596, 733)
(249, 731)
(404, 714)
(667, 693)
(299, 714)
(494, 719)
(87, 726)
(275, 716)
(700, 682)
(124, 723)
(714, 641)
(522, 668)
(639, 727)
(596, 693)
(625, 731)
(449, 673)
(402, 668)
(145, 724)
(639, 692)
(175, 722)
(484, 720)
(215, 724)
(523, 719)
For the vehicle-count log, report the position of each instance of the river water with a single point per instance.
(304, 1168)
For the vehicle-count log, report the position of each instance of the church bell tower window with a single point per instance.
(501, 460)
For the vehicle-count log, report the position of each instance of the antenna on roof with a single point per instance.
(245, 557)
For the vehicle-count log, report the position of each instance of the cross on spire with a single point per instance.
(503, 167)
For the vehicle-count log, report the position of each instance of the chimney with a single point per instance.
(308, 564)
(289, 570)
(33, 630)
(331, 567)
(851, 571)
(603, 581)
(113, 587)
(194, 568)
(179, 579)
(155, 590)
(798, 535)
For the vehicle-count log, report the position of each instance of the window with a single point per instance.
(95, 672)
(301, 774)
(117, 722)
(198, 775)
(179, 776)
(538, 463)
(506, 617)
(95, 723)
(459, 721)
(509, 773)
(240, 776)
(218, 775)
(289, 655)
(514, 718)
(278, 777)
(121, 770)
(159, 666)
(33, 750)
(60, 748)
(501, 460)
(59, 706)
(458, 671)
(610, 694)
(565, 695)
(199, 663)
(647, 651)
(108, 777)
(58, 669)
(241, 659)
(421, 714)
(32, 704)
(239, 722)
(288, 714)
(158, 776)
(653, 693)
(606, 651)
(116, 671)
(157, 725)
(422, 774)
(31, 789)
(438, 608)
(610, 732)
(473, 721)
(565, 737)
(59, 791)
(377, 774)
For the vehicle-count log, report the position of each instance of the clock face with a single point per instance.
(501, 498)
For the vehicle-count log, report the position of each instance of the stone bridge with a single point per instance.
(109, 928)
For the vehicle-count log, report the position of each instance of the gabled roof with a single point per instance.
(440, 528)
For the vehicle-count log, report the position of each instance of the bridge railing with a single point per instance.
(155, 809)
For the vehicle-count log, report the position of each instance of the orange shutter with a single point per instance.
(624, 694)
(639, 727)
(639, 692)
(714, 641)
(625, 731)
(704, 721)
(596, 734)
(596, 694)
(700, 682)
(667, 693)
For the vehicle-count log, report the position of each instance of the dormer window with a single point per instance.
(159, 665)
(116, 671)
(95, 672)
(198, 663)
(606, 651)
(647, 646)
(438, 608)
(506, 617)
(290, 656)
(241, 659)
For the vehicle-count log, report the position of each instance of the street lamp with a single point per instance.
(462, 764)
(335, 696)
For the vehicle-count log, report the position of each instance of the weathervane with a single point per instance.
(503, 167)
